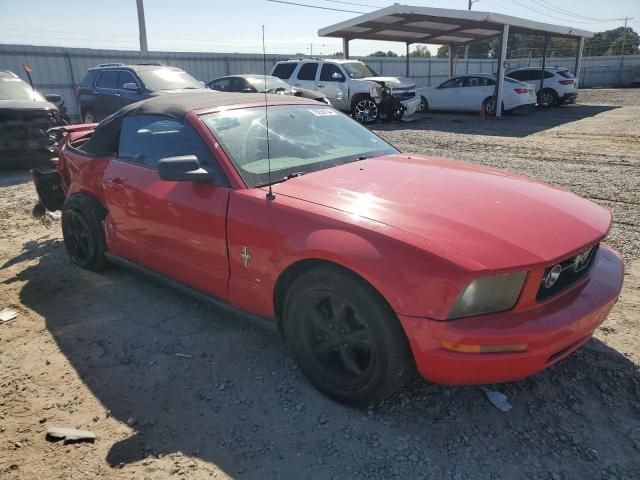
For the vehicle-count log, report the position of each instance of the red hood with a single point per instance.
(466, 213)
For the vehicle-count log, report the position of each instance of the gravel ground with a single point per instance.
(99, 352)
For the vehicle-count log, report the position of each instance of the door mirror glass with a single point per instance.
(185, 168)
(53, 98)
(130, 86)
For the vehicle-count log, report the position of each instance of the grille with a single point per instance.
(572, 271)
(404, 94)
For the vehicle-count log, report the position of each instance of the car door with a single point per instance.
(306, 76)
(106, 90)
(447, 95)
(173, 228)
(221, 84)
(333, 83)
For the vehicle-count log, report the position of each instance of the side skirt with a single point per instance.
(263, 323)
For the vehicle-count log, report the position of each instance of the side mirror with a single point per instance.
(337, 76)
(53, 98)
(186, 168)
(131, 86)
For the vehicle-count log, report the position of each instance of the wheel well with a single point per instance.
(293, 271)
(86, 197)
(357, 97)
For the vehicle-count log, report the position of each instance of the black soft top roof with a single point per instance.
(175, 105)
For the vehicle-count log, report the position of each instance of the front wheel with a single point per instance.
(489, 106)
(548, 98)
(365, 111)
(345, 338)
(89, 116)
(82, 232)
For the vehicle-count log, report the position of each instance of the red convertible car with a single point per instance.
(371, 262)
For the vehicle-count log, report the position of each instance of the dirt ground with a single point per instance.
(173, 388)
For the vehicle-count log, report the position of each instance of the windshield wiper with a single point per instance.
(293, 175)
(364, 157)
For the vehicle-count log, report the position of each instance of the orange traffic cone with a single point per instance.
(483, 113)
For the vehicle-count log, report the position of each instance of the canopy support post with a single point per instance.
(501, 65)
(345, 48)
(576, 70)
(450, 61)
(407, 65)
(542, 69)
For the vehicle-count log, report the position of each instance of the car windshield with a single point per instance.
(273, 83)
(302, 139)
(359, 70)
(16, 89)
(168, 79)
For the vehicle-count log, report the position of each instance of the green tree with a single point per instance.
(421, 51)
(631, 42)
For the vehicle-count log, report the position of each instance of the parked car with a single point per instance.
(263, 84)
(559, 86)
(370, 262)
(471, 92)
(25, 118)
(107, 88)
(347, 84)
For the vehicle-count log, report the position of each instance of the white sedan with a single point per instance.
(471, 92)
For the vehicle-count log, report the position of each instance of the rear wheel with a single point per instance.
(548, 98)
(89, 116)
(345, 338)
(489, 105)
(365, 110)
(82, 232)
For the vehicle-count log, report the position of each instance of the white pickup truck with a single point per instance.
(347, 84)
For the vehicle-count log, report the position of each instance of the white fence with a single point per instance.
(59, 70)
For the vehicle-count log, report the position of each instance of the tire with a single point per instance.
(82, 232)
(489, 105)
(345, 338)
(425, 104)
(548, 98)
(365, 110)
(88, 116)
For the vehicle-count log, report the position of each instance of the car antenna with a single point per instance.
(270, 195)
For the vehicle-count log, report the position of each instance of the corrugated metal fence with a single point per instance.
(59, 70)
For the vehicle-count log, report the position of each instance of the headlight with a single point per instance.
(492, 294)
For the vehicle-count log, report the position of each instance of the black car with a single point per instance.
(25, 118)
(107, 88)
(262, 84)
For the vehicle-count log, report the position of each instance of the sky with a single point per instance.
(235, 26)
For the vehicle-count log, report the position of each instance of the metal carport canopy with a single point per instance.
(443, 26)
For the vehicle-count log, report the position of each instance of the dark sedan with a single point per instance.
(262, 84)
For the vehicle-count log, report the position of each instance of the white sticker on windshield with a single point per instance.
(323, 112)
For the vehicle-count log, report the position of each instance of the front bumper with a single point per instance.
(412, 104)
(551, 331)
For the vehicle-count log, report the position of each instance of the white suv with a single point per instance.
(347, 84)
(559, 86)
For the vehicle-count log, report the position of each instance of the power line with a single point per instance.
(353, 3)
(546, 4)
(314, 6)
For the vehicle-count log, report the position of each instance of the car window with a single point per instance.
(517, 75)
(308, 71)
(453, 83)
(284, 70)
(222, 84)
(145, 139)
(565, 74)
(237, 84)
(167, 78)
(17, 89)
(328, 69)
(478, 82)
(125, 77)
(89, 78)
(547, 74)
(108, 79)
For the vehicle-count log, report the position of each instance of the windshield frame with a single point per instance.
(284, 175)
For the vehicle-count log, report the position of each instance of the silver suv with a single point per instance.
(347, 84)
(559, 86)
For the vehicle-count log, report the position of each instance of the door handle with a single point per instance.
(320, 86)
(117, 183)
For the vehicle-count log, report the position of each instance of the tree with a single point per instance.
(606, 43)
(631, 42)
(421, 51)
(380, 53)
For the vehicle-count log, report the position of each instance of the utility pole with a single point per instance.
(624, 41)
(141, 27)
